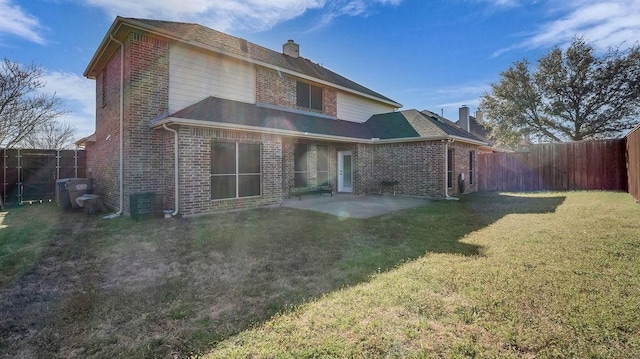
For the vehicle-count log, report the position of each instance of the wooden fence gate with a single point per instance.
(598, 164)
(30, 175)
(633, 162)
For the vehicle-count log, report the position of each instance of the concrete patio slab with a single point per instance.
(351, 206)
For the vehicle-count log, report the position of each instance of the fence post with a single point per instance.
(57, 164)
(4, 175)
(19, 158)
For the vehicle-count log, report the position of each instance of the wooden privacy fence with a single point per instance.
(30, 175)
(598, 164)
(633, 159)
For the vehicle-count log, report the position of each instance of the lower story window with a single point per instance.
(449, 168)
(472, 155)
(322, 172)
(300, 151)
(235, 170)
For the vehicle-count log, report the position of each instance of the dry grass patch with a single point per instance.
(491, 275)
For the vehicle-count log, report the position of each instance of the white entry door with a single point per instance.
(345, 171)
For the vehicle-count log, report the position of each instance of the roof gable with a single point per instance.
(202, 36)
(390, 125)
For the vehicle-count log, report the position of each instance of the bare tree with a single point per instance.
(23, 108)
(52, 135)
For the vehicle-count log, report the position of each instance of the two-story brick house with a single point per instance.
(242, 123)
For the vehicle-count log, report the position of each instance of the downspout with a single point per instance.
(446, 169)
(121, 166)
(175, 166)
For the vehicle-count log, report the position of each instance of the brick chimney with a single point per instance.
(291, 48)
(463, 120)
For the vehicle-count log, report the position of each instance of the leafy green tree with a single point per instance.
(24, 108)
(571, 95)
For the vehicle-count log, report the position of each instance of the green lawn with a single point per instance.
(491, 275)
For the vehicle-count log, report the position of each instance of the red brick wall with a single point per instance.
(195, 170)
(330, 102)
(146, 97)
(363, 169)
(146, 80)
(461, 165)
(419, 168)
(275, 88)
(102, 157)
(278, 89)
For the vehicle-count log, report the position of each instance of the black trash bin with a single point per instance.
(461, 183)
(62, 194)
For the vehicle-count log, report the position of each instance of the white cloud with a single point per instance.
(221, 14)
(337, 8)
(503, 3)
(596, 21)
(225, 15)
(462, 94)
(14, 21)
(470, 102)
(78, 95)
(464, 90)
(605, 23)
(447, 100)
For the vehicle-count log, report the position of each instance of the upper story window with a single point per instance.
(104, 87)
(308, 96)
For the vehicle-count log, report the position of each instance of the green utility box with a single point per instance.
(143, 205)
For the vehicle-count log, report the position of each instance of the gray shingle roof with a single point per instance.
(214, 109)
(387, 126)
(240, 47)
(449, 127)
(478, 130)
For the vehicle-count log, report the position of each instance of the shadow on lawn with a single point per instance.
(163, 288)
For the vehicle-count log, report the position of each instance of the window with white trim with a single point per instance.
(236, 170)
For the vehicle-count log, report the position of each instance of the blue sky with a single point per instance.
(424, 54)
